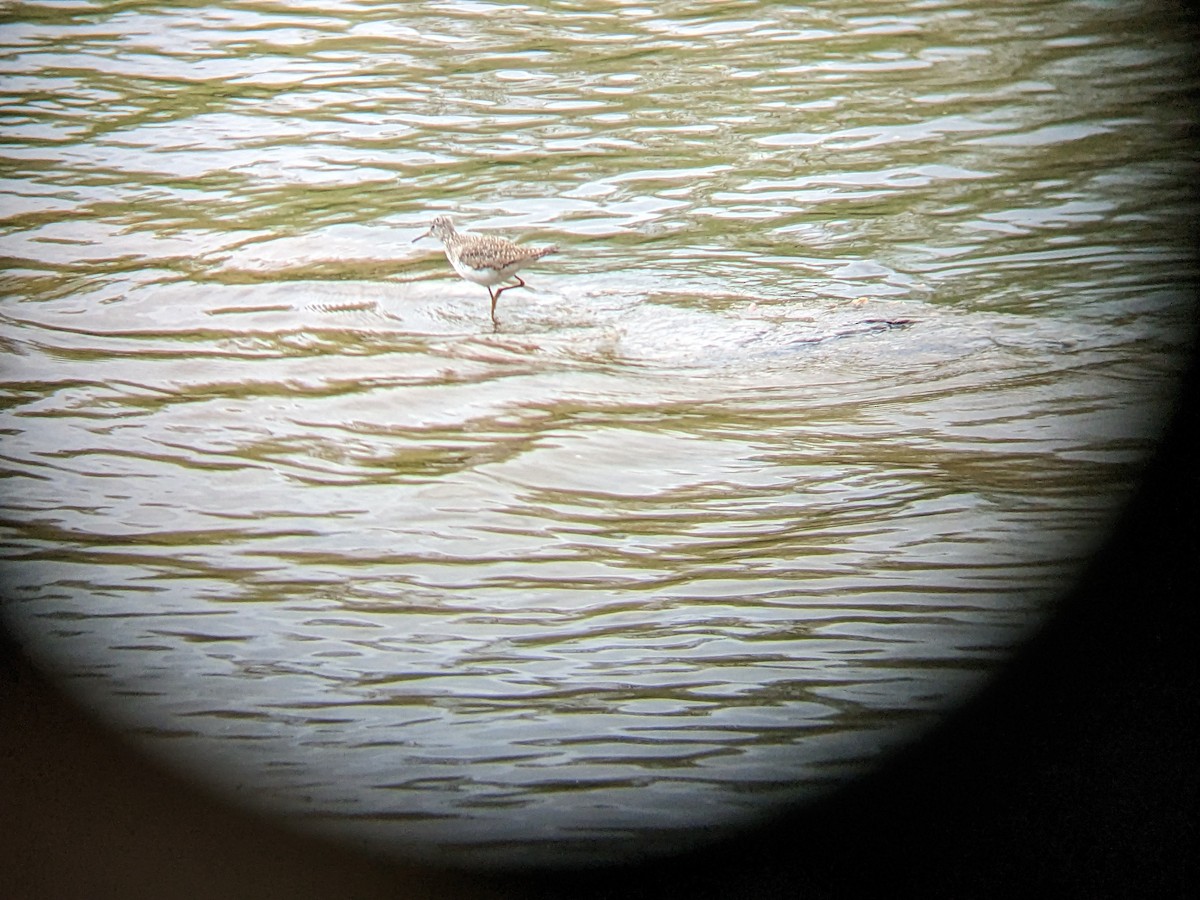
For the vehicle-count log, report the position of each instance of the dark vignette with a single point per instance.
(1074, 772)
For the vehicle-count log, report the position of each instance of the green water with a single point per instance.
(865, 317)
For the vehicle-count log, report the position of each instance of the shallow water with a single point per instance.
(865, 317)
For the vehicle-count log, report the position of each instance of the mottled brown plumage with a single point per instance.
(484, 259)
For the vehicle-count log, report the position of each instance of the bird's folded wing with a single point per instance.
(496, 255)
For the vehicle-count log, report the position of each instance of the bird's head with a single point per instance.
(442, 228)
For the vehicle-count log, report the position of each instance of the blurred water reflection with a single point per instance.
(865, 316)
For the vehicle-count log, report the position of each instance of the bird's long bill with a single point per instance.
(425, 235)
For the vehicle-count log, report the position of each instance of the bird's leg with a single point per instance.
(495, 295)
(519, 283)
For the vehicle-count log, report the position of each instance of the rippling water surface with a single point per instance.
(865, 316)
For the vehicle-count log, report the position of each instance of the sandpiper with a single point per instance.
(484, 259)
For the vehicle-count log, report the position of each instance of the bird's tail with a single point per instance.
(545, 251)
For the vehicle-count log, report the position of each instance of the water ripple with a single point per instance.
(864, 320)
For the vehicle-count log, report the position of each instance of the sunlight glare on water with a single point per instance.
(865, 316)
